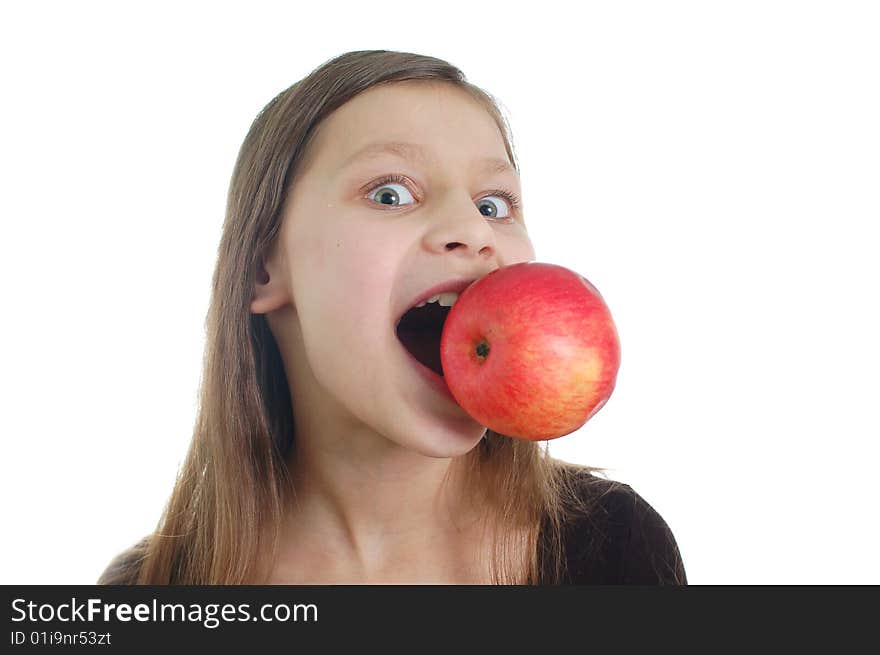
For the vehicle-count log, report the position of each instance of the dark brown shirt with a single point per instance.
(621, 539)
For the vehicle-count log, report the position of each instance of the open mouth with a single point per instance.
(419, 331)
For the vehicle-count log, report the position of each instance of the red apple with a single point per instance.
(530, 351)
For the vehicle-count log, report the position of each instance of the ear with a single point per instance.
(269, 292)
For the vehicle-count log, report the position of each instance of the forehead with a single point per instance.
(441, 119)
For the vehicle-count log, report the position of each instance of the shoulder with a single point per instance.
(615, 536)
(125, 567)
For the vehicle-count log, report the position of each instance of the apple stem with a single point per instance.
(482, 349)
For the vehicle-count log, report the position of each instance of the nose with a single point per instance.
(459, 224)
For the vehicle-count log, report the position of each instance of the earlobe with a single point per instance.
(268, 294)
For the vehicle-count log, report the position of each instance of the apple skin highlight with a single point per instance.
(530, 351)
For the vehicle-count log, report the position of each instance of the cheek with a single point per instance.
(346, 318)
(347, 276)
(364, 263)
(517, 249)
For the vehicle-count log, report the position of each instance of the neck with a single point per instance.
(378, 515)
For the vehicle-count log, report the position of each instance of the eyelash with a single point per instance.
(512, 198)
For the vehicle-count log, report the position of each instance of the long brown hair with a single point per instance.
(225, 511)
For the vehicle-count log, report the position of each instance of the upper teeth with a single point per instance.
(446, 299)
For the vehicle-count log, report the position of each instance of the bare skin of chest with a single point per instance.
(465, 562)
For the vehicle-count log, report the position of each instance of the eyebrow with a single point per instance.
(417, 153)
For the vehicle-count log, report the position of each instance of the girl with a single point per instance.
(323, 453)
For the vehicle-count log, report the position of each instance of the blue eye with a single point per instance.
(491, 207)
(386, 195)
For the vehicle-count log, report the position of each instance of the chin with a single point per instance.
(456, 437)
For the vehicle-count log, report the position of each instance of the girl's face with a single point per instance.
(356, 249)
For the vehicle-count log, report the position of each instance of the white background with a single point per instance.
(712, 167)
